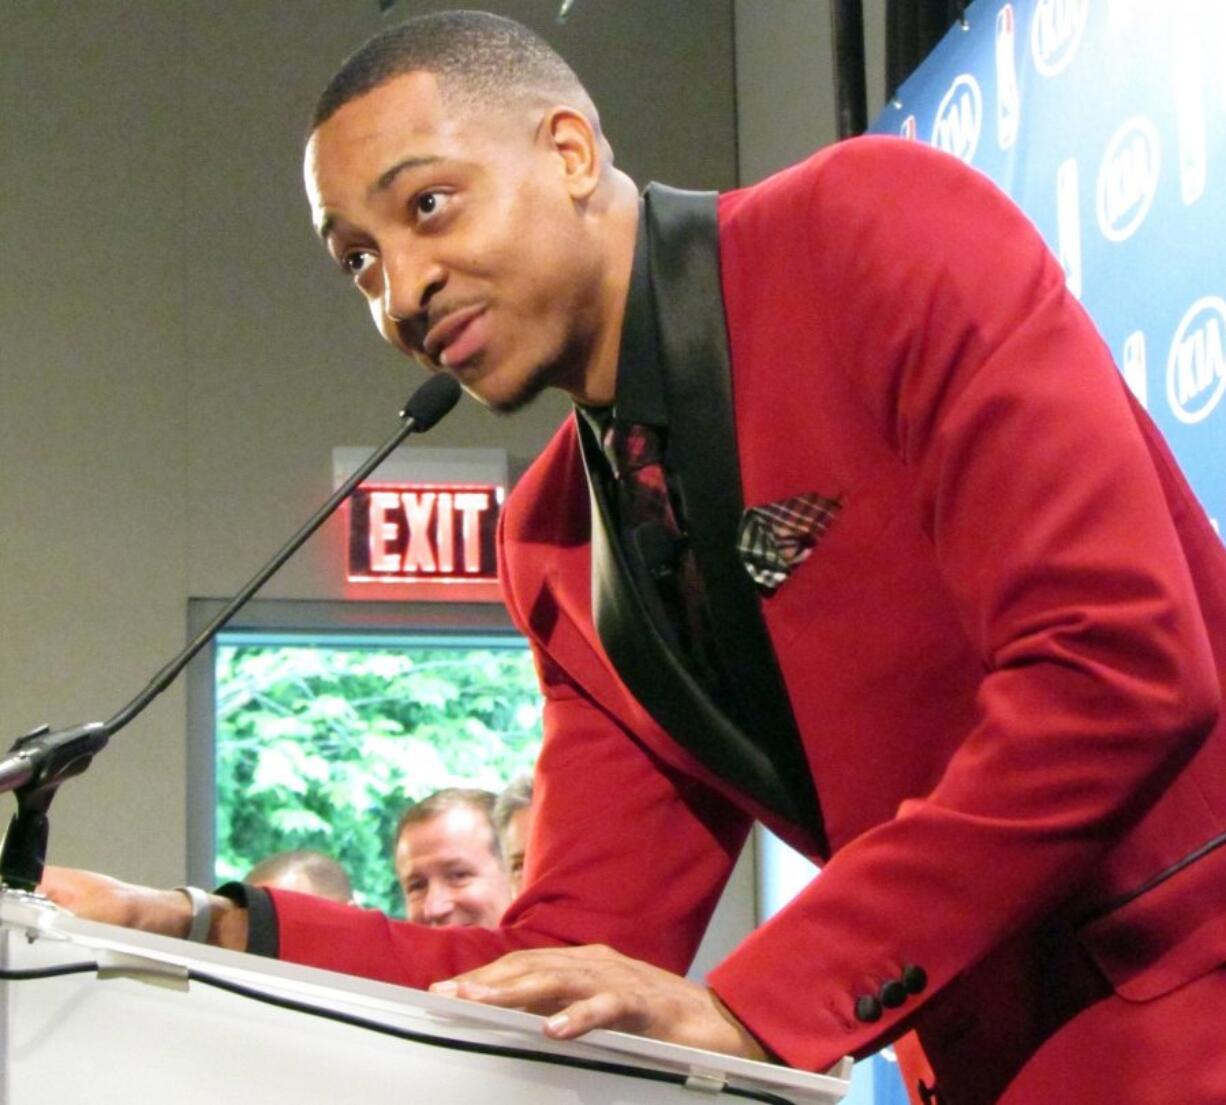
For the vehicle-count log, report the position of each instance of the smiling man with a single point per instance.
(448, 861)
(503, 262)
(855, 531)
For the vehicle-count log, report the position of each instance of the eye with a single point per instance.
(429, 203)
(357, 261)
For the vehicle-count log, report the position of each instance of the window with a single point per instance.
(320, 729)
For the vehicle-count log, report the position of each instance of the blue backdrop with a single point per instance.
(1105, 120)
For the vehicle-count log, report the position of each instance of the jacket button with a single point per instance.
(892, 994)
(868, 1009)
(914, 978)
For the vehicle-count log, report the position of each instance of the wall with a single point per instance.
(178, 358)
(785, 80)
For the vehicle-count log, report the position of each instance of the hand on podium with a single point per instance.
(166, 912)
(578, 989)
(596, 987)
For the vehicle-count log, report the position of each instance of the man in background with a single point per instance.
(448, 862)
(513, 822)
(304, 871)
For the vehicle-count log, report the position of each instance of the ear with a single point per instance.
(574, 142)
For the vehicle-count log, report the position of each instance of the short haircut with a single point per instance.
(450, 798)
(322, 873)
(480, 60)
(516, 797)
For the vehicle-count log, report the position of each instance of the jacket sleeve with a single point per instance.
(1050, 530)
(625, 852)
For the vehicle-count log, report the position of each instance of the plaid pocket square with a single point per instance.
(775, 537)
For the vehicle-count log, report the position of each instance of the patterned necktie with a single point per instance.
(635, 451)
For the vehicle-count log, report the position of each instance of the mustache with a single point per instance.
(436, 312)
(414, 328)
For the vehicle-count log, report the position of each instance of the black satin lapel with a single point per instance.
(650, 667)
(684, 265)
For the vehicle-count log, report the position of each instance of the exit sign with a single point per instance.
(423, 532)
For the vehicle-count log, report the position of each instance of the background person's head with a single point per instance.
(512, 821)
(447, 860)
(458, 174)
(305, 871)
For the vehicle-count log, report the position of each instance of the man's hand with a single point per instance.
(596, 987)
(101, 898)
(166, 912)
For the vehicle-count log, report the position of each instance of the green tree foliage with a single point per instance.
(324, 747)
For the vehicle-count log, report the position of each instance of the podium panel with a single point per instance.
(139, 1022)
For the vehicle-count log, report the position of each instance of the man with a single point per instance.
(448, 862)
(512, 818)
(305, 871)
(954, 626)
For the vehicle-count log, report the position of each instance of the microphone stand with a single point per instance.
(41, 760)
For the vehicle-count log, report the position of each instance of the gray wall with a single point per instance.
(177, 359)
(785, 80)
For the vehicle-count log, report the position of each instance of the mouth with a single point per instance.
(457, 336)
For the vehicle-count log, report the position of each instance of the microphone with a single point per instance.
(41, 760)
(430, 402)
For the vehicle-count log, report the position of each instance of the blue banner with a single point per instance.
(1105, 121)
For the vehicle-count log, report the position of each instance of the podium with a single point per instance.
(148, 1019)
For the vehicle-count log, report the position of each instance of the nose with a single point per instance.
(411, 279)
(437, 907)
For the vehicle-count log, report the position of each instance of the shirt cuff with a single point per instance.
(261, 916)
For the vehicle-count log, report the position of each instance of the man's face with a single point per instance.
(462, 230)
(514, 844)
(449, 872)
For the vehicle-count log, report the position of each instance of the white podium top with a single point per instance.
(145, 1027)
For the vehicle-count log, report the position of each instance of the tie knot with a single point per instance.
(630, 446)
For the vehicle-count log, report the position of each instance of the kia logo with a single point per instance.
(959, 119)
(1196, 367)
(1128, 178)
(1055, 33)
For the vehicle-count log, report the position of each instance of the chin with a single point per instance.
(512, 396)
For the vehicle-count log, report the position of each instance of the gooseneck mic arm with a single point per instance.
(41, 760)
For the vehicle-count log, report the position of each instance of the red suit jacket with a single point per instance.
(1005, 659)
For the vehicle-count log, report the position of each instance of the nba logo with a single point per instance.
(1133, 366)
(1068, 224)
(1189, 88)
(908, 128)
(1008, 101)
